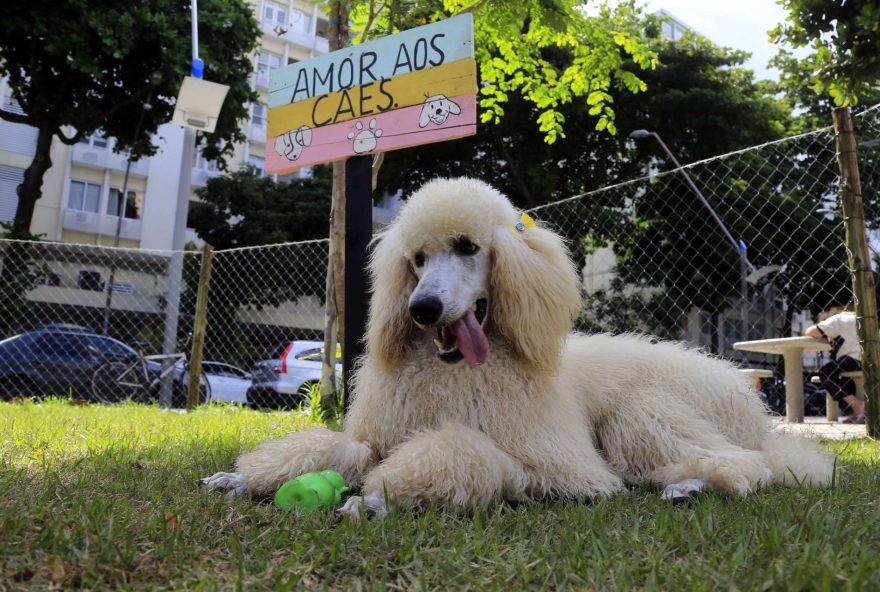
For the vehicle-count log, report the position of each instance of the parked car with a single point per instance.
(57, 359)
(228, 383)
(284, 381)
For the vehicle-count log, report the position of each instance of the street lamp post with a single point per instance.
(197, 109)
(738, 245)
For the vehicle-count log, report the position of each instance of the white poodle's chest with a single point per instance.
(421, 398)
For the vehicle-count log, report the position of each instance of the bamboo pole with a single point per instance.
(200, 323)
(864, 289)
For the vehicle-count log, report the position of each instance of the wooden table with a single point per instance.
(791, 349)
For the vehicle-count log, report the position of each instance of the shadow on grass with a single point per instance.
(129, 516)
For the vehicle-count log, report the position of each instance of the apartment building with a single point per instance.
(82, 192)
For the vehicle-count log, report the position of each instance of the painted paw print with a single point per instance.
(365, 139)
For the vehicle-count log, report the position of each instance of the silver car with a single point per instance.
(285, 381)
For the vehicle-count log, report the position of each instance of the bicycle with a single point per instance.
(133, 379)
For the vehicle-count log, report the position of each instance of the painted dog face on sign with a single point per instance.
(437, 110)
(291, 144)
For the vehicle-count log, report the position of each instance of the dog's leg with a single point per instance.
(234, 484)
(269, 465)
(371, 506)
(668, 445)
(455, 466)
(683, 492)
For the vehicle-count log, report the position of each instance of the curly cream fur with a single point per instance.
(530, 422)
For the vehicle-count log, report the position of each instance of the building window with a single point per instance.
(275, 14)
(322, 27)
(98, 140)
(202, 163)
(258, 114)
(84, 197)
(259, 164)
(132, 207)
(300, 22)
(266, 62)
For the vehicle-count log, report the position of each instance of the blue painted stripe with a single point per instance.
(415, 49)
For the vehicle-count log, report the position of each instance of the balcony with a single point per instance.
(319, 44)
(105, 158)
(100, 224)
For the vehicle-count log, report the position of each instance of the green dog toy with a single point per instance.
(310, 491)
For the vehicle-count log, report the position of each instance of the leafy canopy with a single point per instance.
(517, 45)
(845, 35)
(88, 64)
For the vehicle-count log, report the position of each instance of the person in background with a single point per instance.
(846, 354)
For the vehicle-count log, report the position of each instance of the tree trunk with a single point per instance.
(31, 189)
(334, 328)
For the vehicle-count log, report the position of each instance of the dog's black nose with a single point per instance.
(439, 111)
(426, 310)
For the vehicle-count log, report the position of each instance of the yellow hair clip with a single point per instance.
(525, 221)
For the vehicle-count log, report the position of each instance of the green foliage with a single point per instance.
(242, 210)
(90, 64)
(845, 37)
(698, 98)
(87, 64)
(519, 48)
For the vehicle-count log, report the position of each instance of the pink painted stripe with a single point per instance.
(399, 129)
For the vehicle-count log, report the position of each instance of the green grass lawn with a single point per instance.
(100, 498)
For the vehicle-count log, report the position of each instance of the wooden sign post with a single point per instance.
(412, 88)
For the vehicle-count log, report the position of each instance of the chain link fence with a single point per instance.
(747, 245)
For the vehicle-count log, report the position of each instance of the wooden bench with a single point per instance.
(832, 411)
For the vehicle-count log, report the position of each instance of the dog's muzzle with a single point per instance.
(465, 338)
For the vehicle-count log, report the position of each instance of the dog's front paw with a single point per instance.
(683, 492)
(234, 484)
(371, 506)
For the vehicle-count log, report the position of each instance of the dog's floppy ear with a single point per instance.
(424, 116)
(534, 294)
(454, 108)
(389, 325)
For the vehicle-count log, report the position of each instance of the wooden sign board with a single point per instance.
(403, 90)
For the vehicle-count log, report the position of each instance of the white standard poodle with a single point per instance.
(473, 389)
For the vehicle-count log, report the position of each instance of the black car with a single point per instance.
(56, 360)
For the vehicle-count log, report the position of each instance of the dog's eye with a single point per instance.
(465, 247)
(419, 259)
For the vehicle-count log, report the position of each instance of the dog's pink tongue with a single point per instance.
(472, 342)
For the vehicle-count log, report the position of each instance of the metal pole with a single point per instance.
(358, 230)
(175, 269)
(695, 189)
(195, 31)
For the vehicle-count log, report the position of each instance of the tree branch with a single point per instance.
(474, 7)
(374, 14)
(69, 141)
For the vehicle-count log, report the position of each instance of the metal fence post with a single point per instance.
(864, 289)
(200, 323)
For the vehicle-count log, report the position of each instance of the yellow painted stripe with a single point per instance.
(457, 78)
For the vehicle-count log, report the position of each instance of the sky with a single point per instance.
(740, 24)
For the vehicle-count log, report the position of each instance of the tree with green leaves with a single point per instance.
(79, 66)
(242, 210)
(845, 37)
(698, 98)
